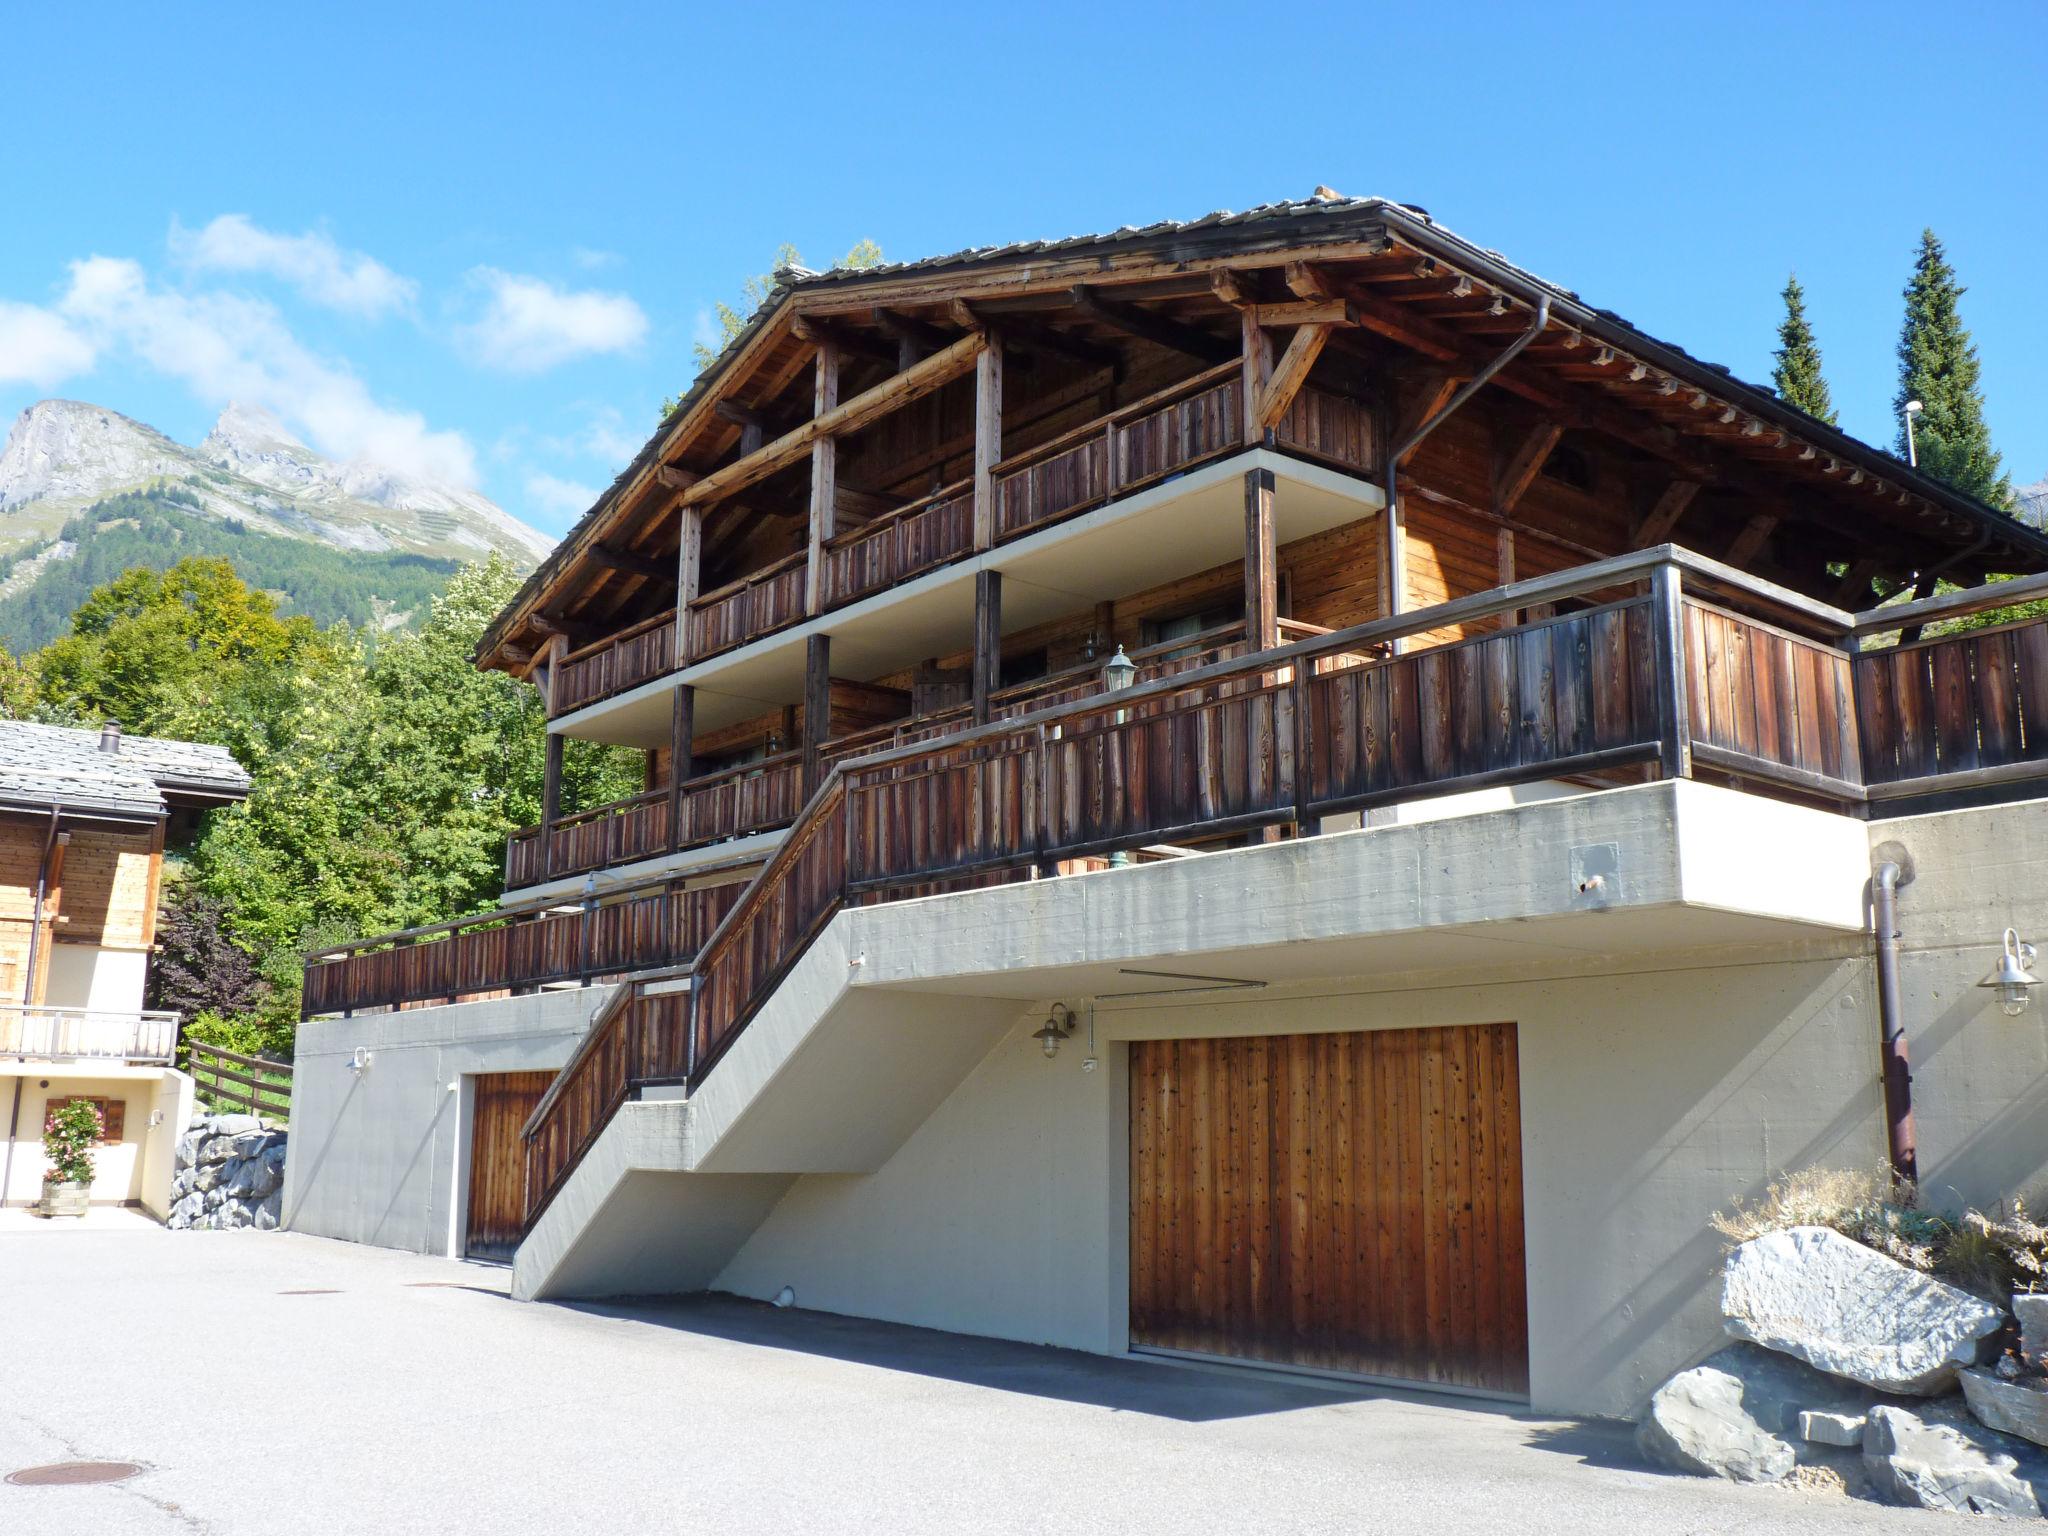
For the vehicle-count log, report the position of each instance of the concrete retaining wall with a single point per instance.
(379, 1157)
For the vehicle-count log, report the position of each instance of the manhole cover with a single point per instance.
(59, 1473)
(315, 1291)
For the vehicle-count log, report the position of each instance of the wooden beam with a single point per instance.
(1047, 338)
(1663, 516)
(1261, 564)
(851, 342)
(1232, 289)
(934, 373)
(625, 560)
(988, 440)
(1288, 375)
(1306, 281)
(1315, 312)
(824, 476)
(682, 732)
(1434, 389)
(1157, 329)
(817, 706)
(1257, 358)
(689, 575)
(988, 640)
(1524, 464)
(1750, 542)
(907, 330)
(1855, 584)
(673, 477)
(550, 796)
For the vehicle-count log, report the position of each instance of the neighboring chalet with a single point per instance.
(84, 820)
(1274, 788)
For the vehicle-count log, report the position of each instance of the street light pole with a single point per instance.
(1913, 408)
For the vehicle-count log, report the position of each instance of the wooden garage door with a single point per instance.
(1346, 1202)
(497, 1166)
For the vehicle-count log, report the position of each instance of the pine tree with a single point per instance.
(1797, 373)
(1938, 367)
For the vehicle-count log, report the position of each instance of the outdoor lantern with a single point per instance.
(1119, 671)
(2011, 976)
(1057, 1026)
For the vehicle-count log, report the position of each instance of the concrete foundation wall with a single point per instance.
(379, 1157)
(1653, 1091)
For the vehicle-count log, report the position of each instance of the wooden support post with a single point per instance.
(824, 476)
(1288, 376)
(550, 798)
(1261, 564)
(689, 575)
(682, 731)
(988, 640)
(1258, 373)
(1667, 623)
(817, 706)
(988, 440)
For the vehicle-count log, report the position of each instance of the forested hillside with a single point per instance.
(386, 776)
(158, 527)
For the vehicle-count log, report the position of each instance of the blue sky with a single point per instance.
(481, 240)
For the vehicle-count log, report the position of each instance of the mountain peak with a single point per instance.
(247, 427)
(64, 448)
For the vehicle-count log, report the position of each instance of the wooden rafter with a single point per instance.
(1524, 464)
(914, 383)
(633, 564)
(1663, 516)
(1750, 541)
(1157, 329)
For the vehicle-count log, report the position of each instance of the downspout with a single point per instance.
(35, 932)
(1897, 1064)
(1397, 543)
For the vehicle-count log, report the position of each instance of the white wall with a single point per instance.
(87, 976)
(1653, 1091)
(379, 1158)
(137, 1168)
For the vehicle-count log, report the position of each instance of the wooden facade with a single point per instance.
(1576, 554)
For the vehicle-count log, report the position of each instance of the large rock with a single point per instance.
(187, 1211)
(270, 1212)
(1850, 1311)
(2010, 1407)
(252, 1179)
(1735, 1415)
(1942, 1466)
(232, 1125)
(2032, 1311)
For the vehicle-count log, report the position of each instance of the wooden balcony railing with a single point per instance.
(1166, 433)
(769, 599)
(614, 664)
(517, 948)
(1673, 659)
(909, 541)
(713, 807)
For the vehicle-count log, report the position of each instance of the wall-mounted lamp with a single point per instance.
(1058, 1025)
(359, 1062)
(1119, 671)
(2012, 976)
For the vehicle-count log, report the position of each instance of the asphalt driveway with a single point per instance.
(272, 1383)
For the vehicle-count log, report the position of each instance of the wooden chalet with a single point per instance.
(1010, 564)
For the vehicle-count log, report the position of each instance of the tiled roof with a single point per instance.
(56, 765)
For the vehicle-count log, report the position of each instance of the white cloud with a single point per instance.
(591, 260)
(312, 263)
(39, 348)
(551, 493)
(529, 325)
(228, 347)
(604, 436)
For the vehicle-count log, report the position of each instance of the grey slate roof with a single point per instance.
(55, 765)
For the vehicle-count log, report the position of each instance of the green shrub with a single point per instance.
(69, 1134)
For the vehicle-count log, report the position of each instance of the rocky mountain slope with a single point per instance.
(62, 456)
(2031, 503)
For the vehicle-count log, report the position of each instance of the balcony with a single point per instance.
(1195, 422)
(57, 1034)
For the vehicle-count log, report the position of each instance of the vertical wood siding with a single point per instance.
(497, 1163)
(1345, 1202)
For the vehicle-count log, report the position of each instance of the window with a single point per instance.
(1569, 466)
(1187, 626)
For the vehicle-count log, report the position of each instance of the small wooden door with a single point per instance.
(497, 1161)
(1345, 1202)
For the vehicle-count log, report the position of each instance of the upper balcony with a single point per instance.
(899, 583)
(44, 1033)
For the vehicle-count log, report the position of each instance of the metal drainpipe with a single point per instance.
(1897, 1063)
(35, 931)
(1398, 545)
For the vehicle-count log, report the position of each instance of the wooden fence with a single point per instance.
(229, 1080)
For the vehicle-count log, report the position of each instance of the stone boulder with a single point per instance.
(1944, 1466)
(2032, 1311)
(2010, 1407)
(1736, 1415)
(1848, 1310)
(232, 1125)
